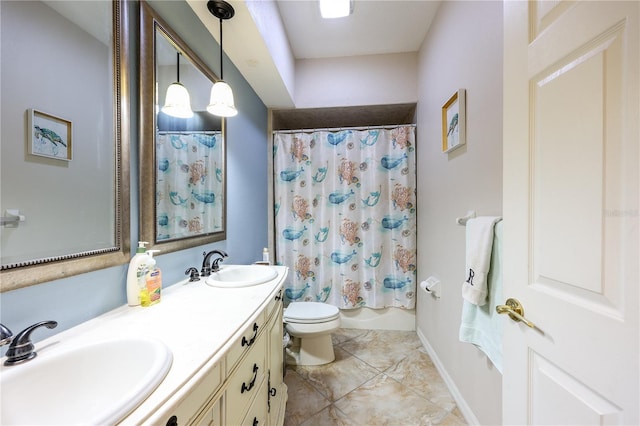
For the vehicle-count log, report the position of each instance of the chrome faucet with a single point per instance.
(208, 266)
(21, 348)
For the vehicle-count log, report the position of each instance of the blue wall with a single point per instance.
(77, 299)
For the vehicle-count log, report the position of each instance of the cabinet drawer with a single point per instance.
(257, 414)
(199, 395)
(211, 415)
(246, 380)
(247, 341)
(274, 304)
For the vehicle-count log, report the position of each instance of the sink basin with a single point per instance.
(98, 383)
(241, 276)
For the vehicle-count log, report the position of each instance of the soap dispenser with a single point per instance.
(151, 290)
(137, 274)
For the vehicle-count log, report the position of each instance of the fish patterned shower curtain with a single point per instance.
(345, 213)
(189, 184)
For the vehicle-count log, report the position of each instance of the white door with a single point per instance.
(571, 226)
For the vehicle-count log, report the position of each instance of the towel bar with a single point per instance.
(463, 220)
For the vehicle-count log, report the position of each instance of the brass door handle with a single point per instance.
(515, 310)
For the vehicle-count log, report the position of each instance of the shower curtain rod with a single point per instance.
(334, 129)
(188, 132)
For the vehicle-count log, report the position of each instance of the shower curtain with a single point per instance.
(189, 185)
(345, 213)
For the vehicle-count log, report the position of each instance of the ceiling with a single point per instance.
(375, 27)
(263, 32)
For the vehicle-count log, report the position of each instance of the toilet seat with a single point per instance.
(310, 313)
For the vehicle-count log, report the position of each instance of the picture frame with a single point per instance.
(49, 136)
(454, 122)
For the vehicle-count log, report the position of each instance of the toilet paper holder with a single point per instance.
(431, 286)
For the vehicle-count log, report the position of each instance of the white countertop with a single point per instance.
(196, 321)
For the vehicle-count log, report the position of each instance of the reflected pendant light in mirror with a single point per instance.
(177, 103)
(221, 102)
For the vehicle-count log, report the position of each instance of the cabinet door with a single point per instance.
(277, 390)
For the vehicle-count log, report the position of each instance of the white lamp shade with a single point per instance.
(177, 103)
(221, 102)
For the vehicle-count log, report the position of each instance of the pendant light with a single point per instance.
(177, 102)
(221, 102)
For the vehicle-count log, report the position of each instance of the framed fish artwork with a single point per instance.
(49, 136)
(453, 122)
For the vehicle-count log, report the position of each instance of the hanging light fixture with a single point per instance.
(335, 8)
(221, 102)
(177, 102)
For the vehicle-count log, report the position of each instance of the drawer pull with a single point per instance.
(246, 388)
(279, 296)
(255, 421)
(246, 342)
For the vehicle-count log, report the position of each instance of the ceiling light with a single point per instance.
(221, 102)
(177, 102)
(336, 8)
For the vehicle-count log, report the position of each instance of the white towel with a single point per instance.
(482, 326)
(479, 245)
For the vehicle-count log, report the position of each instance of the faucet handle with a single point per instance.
(21, 348)
(5, 335)
(193, 273)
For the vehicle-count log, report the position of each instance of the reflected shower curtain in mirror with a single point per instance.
(345, 213)
(189, 184)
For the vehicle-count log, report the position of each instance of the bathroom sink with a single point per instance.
(241, 276)
(97, 383)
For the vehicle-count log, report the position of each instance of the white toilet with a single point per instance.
(312, 324)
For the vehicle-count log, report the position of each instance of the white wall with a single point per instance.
(463, 49)
(357, 80)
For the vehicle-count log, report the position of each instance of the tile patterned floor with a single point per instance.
(379, 377)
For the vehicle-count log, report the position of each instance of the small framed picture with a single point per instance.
(453, 122)
(49, 136)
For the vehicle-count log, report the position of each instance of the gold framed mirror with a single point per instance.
(182, 159)
(71, 200)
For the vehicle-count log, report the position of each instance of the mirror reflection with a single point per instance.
(61, 139)
(183, 148)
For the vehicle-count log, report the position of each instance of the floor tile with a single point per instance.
(344, 334)
(303, 399)
(336, 379)
(452, 420)
(379, 377)
(384, 401)
(418, 372)
(329, 416)
(382, 348)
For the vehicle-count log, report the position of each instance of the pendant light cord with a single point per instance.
(178, 65)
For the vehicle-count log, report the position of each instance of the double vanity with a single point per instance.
(209, 354)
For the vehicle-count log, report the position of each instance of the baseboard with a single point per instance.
(378, 319)
(464, 408)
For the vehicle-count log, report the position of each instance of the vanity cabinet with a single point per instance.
(247, 386)
(257, 393)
